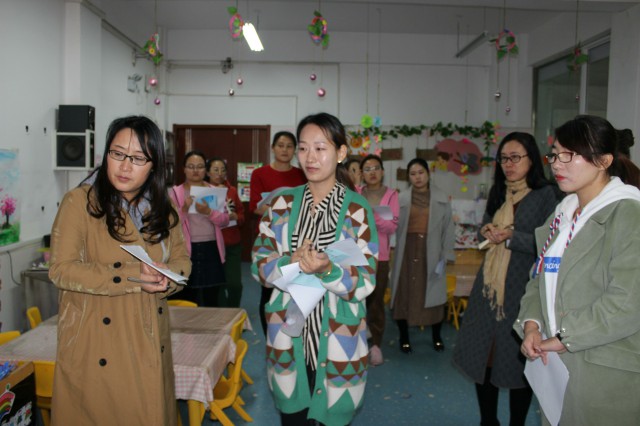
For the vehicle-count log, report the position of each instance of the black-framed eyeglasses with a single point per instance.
(138, 160)
(563, 157)
(371, 169)
(195, 167)
(515, 158)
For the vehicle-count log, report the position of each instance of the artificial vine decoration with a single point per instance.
(506, 44)
(318, 30)
(487, 131)
(152, 49)
(577, 59)
(235, 23)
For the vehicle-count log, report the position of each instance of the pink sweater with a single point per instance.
(218, 219)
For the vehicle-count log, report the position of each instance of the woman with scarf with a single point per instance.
(584, 301)
(317, 372)
(487, 351)
(114, 364)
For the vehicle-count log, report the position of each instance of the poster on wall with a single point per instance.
(244, 178)
(9, 176)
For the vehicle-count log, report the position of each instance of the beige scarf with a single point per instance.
(497, 258)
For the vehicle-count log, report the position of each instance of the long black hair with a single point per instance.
(535, 176)
(592, 137)
(106, 200)
(334, 131)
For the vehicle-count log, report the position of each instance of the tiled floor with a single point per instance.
(422, 388)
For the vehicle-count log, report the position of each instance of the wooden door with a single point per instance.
(236, 144)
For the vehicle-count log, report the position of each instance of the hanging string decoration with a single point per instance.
(318, 30)
(506, 44)
(235, 23)
(577, 59)
(152, 48)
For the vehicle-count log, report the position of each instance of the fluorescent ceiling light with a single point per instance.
(251, 35)
(473, 45)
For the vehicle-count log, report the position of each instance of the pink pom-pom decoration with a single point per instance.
(157, 101)
(153, 81)
(313, 77)
(321, 92)
(239, 81)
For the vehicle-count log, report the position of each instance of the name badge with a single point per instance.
(552, 264)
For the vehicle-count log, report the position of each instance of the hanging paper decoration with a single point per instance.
(151, 47)
(366, 121)
(318, 30)
(577, 59)
(235, 23)
(506, 44)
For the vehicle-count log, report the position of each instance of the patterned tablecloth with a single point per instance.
(200, 341)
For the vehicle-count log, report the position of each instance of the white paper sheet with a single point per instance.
(141, 254)
(306, 289)
(214, 196)
(548, 383)
(384, 212)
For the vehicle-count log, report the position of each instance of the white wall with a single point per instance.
(57, 52)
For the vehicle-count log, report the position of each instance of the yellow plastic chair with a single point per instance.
(236, 335)
(7, 336)
(33, 313)
(185, 303)
(44, 388)
(227, 390)
(453, 308)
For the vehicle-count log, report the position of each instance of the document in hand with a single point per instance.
(384, 212)
(267, 197)
(307, 289)
(548, 383)
(213, 196)
(140, 254)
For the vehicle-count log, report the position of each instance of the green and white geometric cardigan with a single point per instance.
(342, 358)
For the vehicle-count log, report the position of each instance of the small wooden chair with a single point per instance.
(7, 336)
(184, 303)
(33, 313)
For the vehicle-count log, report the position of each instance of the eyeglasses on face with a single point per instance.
(515, 158)
(218, 171)
(138, 160)
(195, 167)
(563, 157)
(371, 169)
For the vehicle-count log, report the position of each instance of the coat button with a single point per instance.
(106, 320)
(319, 391)
(117, 280)
(117, 265)
(162, 349)
(323, 364)
(102, 362)
(160, 310)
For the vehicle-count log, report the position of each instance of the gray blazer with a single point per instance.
(440, 240)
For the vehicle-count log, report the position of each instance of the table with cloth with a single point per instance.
(201, 347)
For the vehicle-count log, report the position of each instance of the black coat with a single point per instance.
(480, 329)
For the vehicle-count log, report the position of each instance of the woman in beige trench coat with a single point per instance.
(114, 364)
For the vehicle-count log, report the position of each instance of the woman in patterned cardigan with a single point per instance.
(318, 374)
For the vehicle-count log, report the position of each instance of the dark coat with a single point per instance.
(480, 329)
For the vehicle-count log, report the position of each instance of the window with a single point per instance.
(560, 94)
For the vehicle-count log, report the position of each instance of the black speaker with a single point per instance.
(74, 151)
(76, 118)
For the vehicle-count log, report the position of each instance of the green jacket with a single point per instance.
(597, 312)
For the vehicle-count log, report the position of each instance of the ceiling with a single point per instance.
(137, 18)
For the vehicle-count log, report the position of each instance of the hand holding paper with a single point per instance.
(140, 254)
(215, 197)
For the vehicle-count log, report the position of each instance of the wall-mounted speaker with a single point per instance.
(74, 151)
(76, 118)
